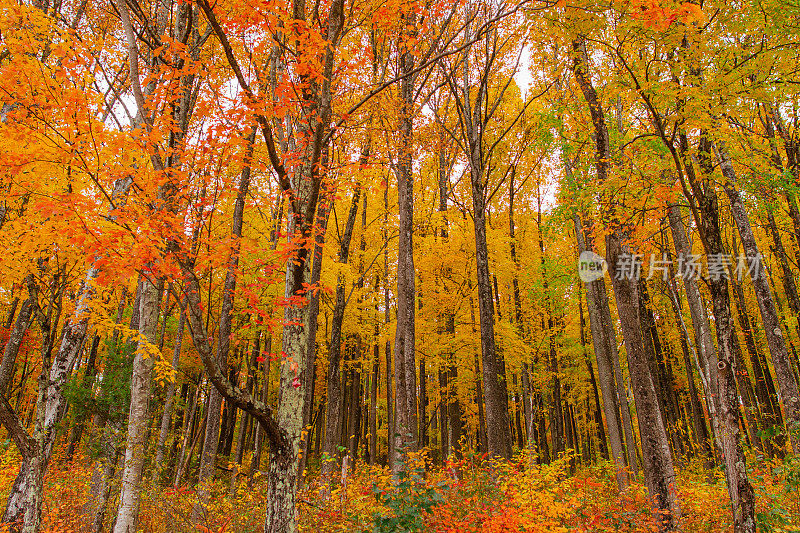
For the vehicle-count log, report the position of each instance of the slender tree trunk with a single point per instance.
(701, 437)
(602, 340)
(91, 370)
(243, 426)
(335, 403)
(166, 417)
(17, 334)
(700, 323)
(482, 443)
(422, 416)
(373, 395)
(211, 440)
(662, 378)
(657, 461)
(597, 415)
(284, 460)
(766, 304)
(405, 419)
(138, 418)
(450, 407)
(789, 285)
(387, 348)
(494, 385)
(277, 219)
(557, 421)
(721, 370)
(767, 398)
(323, 212)
(188, 435)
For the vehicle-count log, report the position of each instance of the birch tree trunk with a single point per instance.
(138, 417)
(25, 499)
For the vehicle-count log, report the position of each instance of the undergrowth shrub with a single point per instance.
(484, 497)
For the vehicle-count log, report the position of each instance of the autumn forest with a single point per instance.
(399, 266)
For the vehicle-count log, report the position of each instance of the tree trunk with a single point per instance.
(657, 461)
(25, 500)
(656, 458)
(387, 348)
(405, 419)
(373, 395)
(481, 440)
(701, 437)
(166, 416)
(187, 437)
(138, 417)
(17, 334)
(700, 323)
(323, 212)
(242, 438)
(211, 440)
(662, 379)
(766, 395)
(789, 285)
(597, 415)
(769, 315)
(602, 339)
(335, 404)
(91, 370)
(557, 420)
(721, 370)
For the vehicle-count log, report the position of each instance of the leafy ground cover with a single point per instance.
(472, 495)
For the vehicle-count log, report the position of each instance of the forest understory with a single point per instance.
(399, 266)
(471, 495)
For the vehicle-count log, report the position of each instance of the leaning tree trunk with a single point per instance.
(706, 351)
(656, 457)
(766, 304)
(25, 498)
(17, 334)
(721, 370)
(605, 369)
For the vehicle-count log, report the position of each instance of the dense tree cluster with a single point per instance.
(286, 236)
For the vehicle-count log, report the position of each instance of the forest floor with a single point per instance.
(485, 498)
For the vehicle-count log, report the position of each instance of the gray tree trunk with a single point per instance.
(601, 340)
(656, 457)
(138, 417)
(766, 304)
(17, 334)
(405, 381)
(334, 414)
